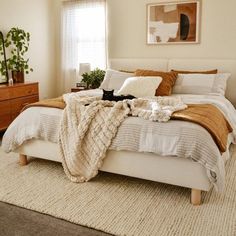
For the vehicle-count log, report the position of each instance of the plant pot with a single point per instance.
(18, 76)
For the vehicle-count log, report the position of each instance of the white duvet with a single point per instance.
(183, 139)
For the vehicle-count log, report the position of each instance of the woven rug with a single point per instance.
(117, 204)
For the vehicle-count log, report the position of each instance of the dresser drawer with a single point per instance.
(4, 94)
(5, 108)
(13, 98)
(18, 104)
(23, 91)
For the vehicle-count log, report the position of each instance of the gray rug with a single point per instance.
(117, 204)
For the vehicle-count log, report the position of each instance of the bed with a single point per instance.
(146, 165)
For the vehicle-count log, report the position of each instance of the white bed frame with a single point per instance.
(169, 169)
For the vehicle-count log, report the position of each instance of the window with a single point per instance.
(83, 35)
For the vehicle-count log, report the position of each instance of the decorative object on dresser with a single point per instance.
(14, 98)
(3, 64)
(80, 85)
(18, 41)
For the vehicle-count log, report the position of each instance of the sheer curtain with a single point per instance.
(83, 37)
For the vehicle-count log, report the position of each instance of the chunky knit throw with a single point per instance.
(89, 124)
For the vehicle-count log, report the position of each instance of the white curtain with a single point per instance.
(83, 37)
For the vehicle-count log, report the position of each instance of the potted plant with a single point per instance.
(94, 78)
(18, 39)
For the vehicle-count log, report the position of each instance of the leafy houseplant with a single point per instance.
(94, 78)
(18, 39)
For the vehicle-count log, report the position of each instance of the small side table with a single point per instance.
(77, 89)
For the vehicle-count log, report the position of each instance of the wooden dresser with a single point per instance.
(14, 98)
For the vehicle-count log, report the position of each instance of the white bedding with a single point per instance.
(177, 138)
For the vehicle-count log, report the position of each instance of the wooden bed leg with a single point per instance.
(23, 160)
(196, 197)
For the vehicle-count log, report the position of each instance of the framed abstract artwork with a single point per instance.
(173, 22)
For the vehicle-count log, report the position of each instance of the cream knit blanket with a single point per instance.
(89, 124)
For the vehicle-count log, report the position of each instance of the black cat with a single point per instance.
(108, 95)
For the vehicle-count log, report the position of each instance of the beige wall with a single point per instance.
(57, 6)
(127, 34)
(34, 16)
(127, 31)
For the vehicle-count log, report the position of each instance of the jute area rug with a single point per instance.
(117, 204)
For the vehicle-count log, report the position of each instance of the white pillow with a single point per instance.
(143, 86)
(114, 79)
(220, 83)
(201, 84)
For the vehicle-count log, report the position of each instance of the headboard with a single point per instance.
(223, 65)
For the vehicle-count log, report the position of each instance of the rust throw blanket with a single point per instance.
(54, 103)
(209, 117)
(206, 115)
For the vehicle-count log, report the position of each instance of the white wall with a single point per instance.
(127, 31)
(57, 7)
(34, 16)
(127, 34)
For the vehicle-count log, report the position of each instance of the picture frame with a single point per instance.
(173, 22)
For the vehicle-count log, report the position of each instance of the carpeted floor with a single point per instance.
(118, 204)
(17, 221)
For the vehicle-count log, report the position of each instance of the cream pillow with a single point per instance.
(194, 83)
(143, 86)
(220, 83)
(114, 79)
(201, 84)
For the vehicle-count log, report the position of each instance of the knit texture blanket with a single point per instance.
(89, 124)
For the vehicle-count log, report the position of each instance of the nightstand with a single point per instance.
(77, 89)
(14, 98)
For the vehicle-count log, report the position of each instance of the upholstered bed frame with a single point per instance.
(171, 170)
